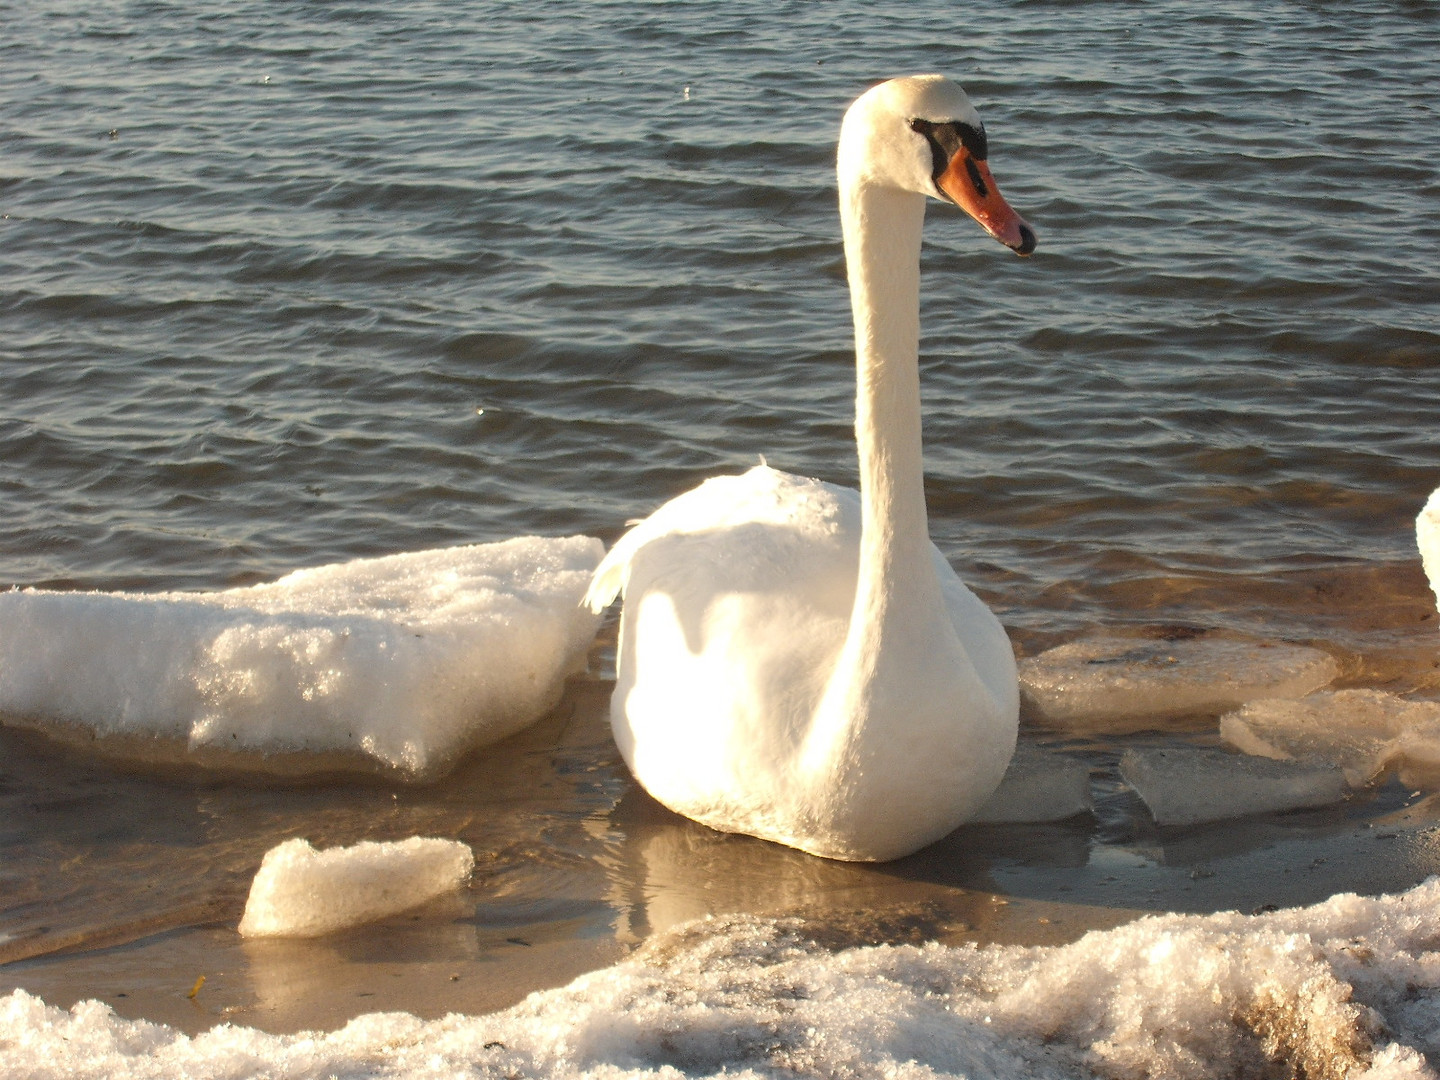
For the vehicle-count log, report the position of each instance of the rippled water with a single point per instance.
(283, 284)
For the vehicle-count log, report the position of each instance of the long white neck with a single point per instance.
(897, 596)
(882, 228)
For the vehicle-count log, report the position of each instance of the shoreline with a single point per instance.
(436, 960)
(576, 868)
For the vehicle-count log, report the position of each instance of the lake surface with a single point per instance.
(286, 284)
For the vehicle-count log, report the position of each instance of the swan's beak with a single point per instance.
(968, 183)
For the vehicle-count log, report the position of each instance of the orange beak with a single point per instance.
(968, 183)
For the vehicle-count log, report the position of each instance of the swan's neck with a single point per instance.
(897, 599)
(882, 229)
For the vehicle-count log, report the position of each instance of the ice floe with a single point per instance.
(1365, 732)
(1040, 785)
(1346, 988)
(1191, 785)
(402, 662)
(1427, 539)
(1125, 684)
(301, 892)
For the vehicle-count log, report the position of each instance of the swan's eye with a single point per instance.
(947, 139)
(939, 159)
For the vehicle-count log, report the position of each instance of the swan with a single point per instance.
(1427, 538)
(797, 661)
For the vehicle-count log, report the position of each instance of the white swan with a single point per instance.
(797, 661)
(1427, 538)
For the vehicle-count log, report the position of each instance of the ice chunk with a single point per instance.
(406, 661)
(1040, 785)
(1362, 731)
(1427, 539)
(1346, 988)
(1190, 785)
(301, 892)
(1119, 684)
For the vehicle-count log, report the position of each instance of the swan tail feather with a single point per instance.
(613, 574)
(609, 578)
(721, 501)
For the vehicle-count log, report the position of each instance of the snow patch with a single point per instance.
(1348, 988)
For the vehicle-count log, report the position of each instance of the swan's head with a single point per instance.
(922, 134)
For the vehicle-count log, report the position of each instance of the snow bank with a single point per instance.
(1347, 988)
(1190, 785)
(1123, 684)
(1365, 732)
(405, 661)
(301, 892)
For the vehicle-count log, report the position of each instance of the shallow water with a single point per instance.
(284, 285)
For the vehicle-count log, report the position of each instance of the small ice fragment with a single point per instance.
(1040, 785)
(301, 892)
(1190, 785)
(1125, 684)
(1365, 732)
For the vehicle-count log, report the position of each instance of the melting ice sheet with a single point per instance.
(1347, 988)
(1189, 785)
(1126, 684)
(402, 662)
(1365, 732)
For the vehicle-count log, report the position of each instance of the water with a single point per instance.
(282, 285)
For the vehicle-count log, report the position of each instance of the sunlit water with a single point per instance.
(282, 285)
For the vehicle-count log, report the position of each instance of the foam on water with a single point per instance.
(301, 892)
(1118, 683)
(1347, 988)
(402, 662)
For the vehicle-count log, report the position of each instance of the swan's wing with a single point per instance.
(761, 496)
(1427, 537)
(980, 633)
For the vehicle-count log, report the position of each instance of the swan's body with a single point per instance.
(1427, 538)
(797, 661)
